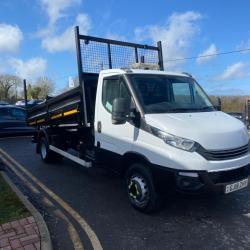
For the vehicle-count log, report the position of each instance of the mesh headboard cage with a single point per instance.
(95, 54)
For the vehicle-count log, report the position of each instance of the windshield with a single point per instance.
(170, 94)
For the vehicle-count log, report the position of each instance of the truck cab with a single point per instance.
(170, 123)
(157, 129)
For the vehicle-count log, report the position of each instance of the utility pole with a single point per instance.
(25, 92)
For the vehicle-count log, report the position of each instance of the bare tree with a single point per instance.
(42, 88)
(8, 83)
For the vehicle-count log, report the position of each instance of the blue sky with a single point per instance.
(36, 36)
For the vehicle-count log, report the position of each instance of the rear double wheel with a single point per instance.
(141, 190)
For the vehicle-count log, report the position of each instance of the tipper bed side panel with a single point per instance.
(66, 107)
(62, 108)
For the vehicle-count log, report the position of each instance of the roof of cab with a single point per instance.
(141, 71)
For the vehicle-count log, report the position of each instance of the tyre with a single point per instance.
(140, 189)
(46, 154)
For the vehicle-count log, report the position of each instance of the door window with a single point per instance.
(113, 88)
(182, 92)
(18, 114)
(4, 114)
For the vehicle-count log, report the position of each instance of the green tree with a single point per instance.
(36, 93)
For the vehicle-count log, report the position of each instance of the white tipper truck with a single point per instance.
(158, 129)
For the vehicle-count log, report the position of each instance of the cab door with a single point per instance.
(112, 140)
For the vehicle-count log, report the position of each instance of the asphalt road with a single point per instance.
(185, 222)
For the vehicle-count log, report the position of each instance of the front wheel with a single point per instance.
(140, 189)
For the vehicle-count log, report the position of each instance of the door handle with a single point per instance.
(99, 127)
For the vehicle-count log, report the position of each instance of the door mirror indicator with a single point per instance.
(120, 110)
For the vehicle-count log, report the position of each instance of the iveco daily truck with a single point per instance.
(158, 129)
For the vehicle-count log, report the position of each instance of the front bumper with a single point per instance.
(204, 181)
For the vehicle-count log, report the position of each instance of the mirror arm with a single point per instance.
(134, 116)
(132, 113)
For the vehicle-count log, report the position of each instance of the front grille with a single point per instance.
(219, 155)
(230, 175)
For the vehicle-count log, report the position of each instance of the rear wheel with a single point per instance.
(140, 189)
(46, 154)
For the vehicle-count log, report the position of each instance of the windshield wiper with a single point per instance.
(193, 109)
(206, 108)
(182, 109)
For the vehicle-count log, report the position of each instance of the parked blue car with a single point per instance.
(13, 121)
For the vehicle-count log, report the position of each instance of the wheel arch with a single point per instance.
(42, 133)
(133, 157)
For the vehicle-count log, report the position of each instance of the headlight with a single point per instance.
(175, 141)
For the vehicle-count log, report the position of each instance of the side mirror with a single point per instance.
(218, 104)
(120, 111)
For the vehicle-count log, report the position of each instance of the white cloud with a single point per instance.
(176, 36)
(2, 69)
(244, 45)
(66, 41)
(204, 57)
(52, 40)
(55, 8)
(29, 69)
(235, 71)
(114, 36)
(10, 38)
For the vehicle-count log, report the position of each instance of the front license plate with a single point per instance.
(236, 186)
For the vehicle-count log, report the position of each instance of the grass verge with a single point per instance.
(11, 208)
